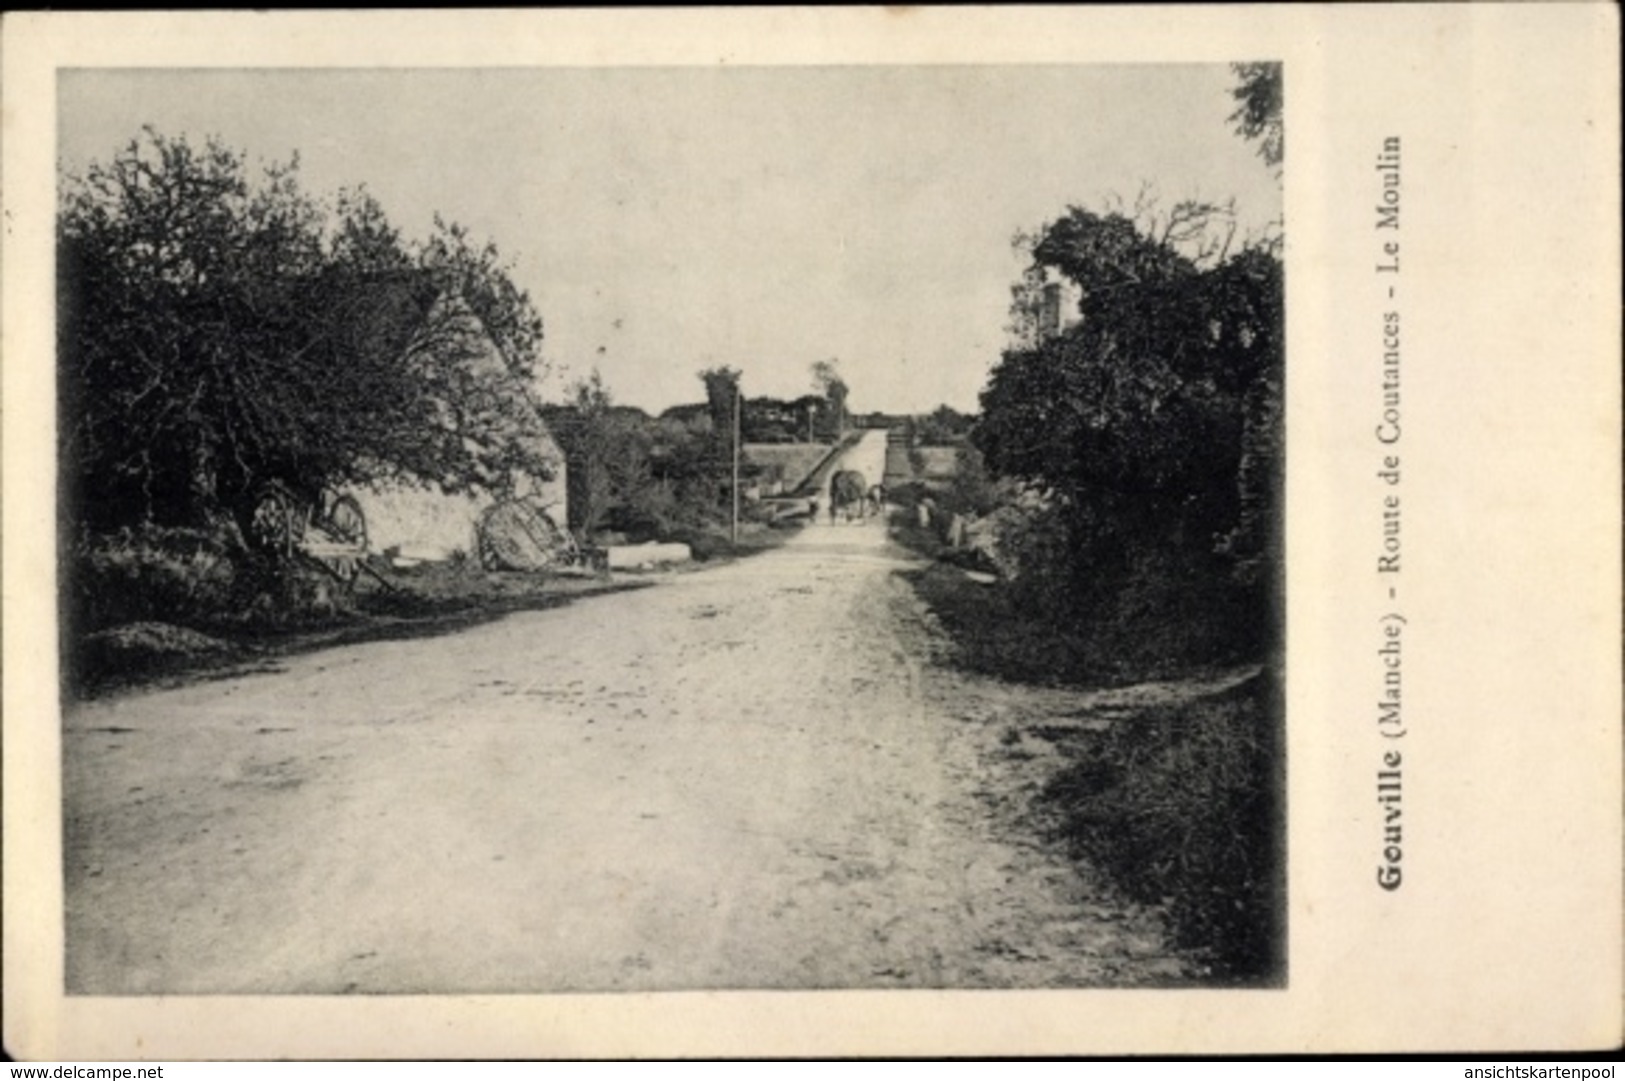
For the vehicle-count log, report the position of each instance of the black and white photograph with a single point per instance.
(756, 533)
(657, 529)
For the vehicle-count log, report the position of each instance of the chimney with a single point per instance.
(1049, 312)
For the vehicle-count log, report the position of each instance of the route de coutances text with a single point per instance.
(1389, 429)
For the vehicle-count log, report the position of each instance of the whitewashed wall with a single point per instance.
(422, 523)
(425, 523)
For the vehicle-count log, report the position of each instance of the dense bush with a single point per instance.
(200, 578)
(1181, 806)
(993, 630)
(642, 477)
(1153, 425)
(1035, 544)
(146, 600)
(150, 573)
(1051, 619)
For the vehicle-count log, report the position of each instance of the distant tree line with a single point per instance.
(671, 475)
(641, 475)
(944, 426)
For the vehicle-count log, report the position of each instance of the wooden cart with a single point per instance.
(329, 531)
(518, 535)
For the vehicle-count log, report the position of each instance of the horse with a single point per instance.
(847, 492)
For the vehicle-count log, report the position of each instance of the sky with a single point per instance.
(666, 220)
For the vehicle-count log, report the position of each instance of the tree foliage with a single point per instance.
(607, 449)
(777, 420)
(220, 328)
(1258, 110)
(1154, 422)
(721, 390)
(943, 426)
(643, 476)
(827, 381)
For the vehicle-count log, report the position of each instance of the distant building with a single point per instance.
(1060, 305)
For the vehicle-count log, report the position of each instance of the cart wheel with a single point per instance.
(514, 537)
(274, 523)
(348, 526)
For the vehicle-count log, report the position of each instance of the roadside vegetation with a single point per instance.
(1117, 498)
(223, 332)
(155, 604)
(1183, 808)
(1117, 519)
(634, 477)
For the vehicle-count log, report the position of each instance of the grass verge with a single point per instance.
(993, 634)
(156, 606)
(1182, 807)
(1180, 804)
(432, 602)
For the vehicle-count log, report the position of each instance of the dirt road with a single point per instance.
(747, 777)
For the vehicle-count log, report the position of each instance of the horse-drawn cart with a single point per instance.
(328, 530)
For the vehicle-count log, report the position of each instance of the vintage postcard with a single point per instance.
(819, 532)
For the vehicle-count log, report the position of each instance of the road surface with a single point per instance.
(751, 776)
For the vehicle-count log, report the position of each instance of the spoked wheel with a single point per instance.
(274, 525)
(514, 536)
(346, 526)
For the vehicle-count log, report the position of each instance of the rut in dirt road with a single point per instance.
(748, 777)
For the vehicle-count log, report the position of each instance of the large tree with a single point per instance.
(827, 380)
(1154, 421)
(721, 390)
(220, 328)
